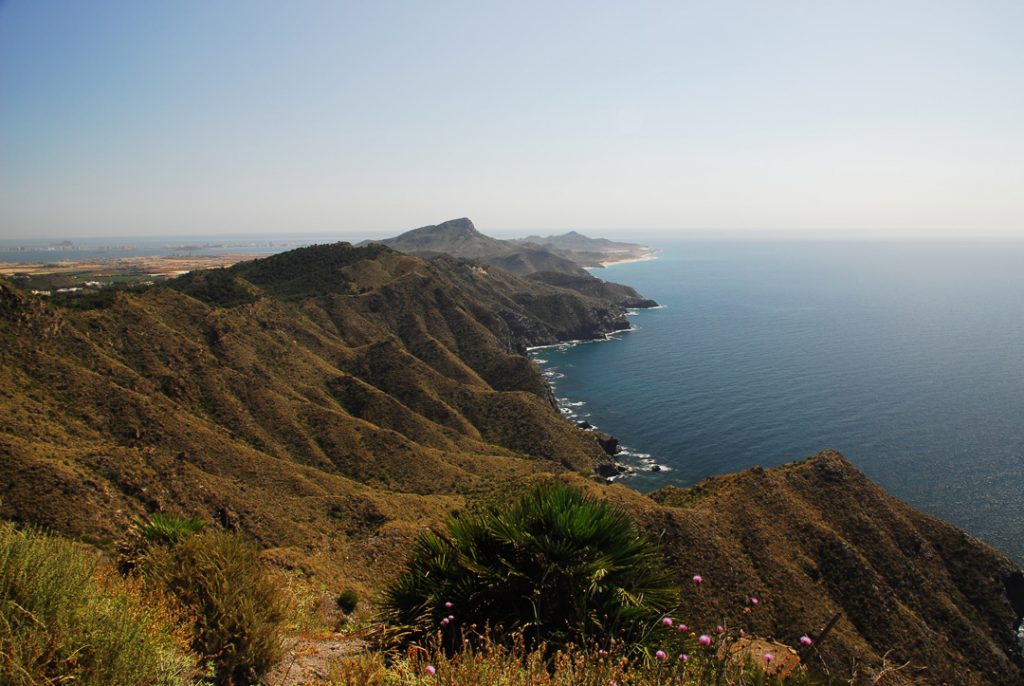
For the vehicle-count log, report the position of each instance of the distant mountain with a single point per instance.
(459, 238)
(456, 237)
(574, 240)
(586, 251)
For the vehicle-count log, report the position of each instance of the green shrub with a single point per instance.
(556, 567)
(165, 529)
(238, 607)
(347, 601)
(65, 618)
(160, 529)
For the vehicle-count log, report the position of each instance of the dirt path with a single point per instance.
(308, 658)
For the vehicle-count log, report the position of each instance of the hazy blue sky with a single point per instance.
(120, 118)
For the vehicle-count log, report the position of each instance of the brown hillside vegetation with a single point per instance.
(333, 401)
(816, 538)
(306, 398)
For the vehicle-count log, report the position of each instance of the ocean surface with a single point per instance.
(908, 357)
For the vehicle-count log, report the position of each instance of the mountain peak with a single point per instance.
(461, 224)
(456, 237)
(453, 228)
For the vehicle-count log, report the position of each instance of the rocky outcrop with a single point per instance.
(609, 444)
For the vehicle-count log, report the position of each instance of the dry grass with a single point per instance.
(65, 617)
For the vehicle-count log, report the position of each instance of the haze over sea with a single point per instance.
(908, 357)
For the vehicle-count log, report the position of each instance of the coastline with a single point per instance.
(629, 461)
(572, 409)
(652, 255)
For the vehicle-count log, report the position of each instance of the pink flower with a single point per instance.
(768, 657)
(719, 629)
(805, 640)
(602, 652)
(683, 627)
(451, 618)
(660, 655)
(431, 670)
(754, 601)
(742, 633)
(667, 621)
(448, 605)
(444, 622)
(684, 657)
(704, 640)
(698, 579)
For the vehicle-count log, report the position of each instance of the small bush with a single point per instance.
(158, 530)
(557, 567)
(165, 529)
(238, 607)
(65, 618)
(347, 601)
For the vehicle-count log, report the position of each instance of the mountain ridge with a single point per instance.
(333, 401)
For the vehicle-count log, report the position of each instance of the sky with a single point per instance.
(192, 117)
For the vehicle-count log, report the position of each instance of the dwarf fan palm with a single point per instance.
(557, 566)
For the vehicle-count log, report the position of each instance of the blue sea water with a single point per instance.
(908, 357)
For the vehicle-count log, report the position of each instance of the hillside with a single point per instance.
(332, 401)
(302, 397)
(817, 538)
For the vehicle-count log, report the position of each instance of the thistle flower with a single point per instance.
(683, 627)
(754, 601)
(697, 579)
(431, 670)
(704, 640)
(805, 640)
(719, 629)
(660, 655)
(448, 605)
(768, 657)
(683, 657)
(667, 621)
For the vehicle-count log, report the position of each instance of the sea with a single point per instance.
(906, 356)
